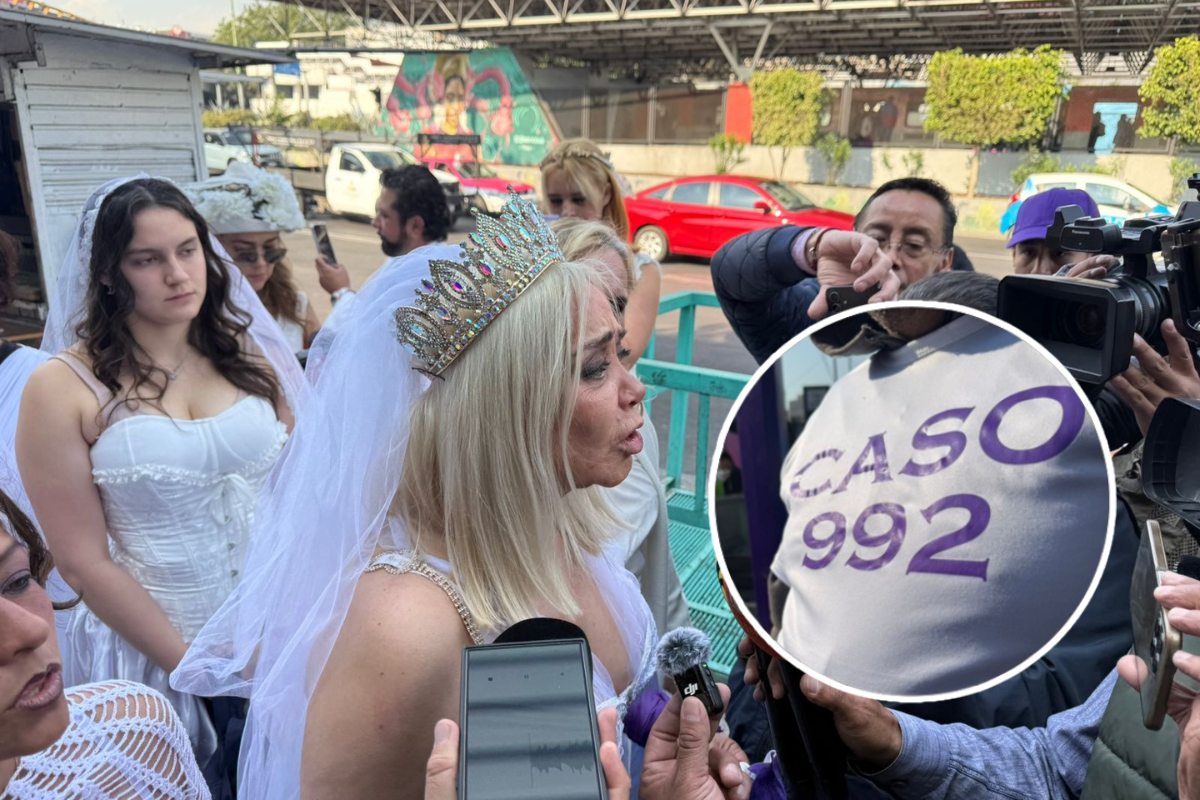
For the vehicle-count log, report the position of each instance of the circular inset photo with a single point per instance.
(947, 504)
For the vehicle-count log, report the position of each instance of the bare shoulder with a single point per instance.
(54, 385)
(405, 614)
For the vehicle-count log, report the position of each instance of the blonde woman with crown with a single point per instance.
(639, 502)
(441, 484)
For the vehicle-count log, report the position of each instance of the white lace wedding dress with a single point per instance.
(179, 499)
(124, 743)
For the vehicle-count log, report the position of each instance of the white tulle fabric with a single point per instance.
(14, 374)
(124, 743)
(68, 308)
(326, 512)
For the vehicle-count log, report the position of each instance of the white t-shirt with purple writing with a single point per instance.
(948, 513)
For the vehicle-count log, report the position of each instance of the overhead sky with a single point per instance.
(194, 16)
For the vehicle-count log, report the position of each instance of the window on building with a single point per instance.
(285, 92)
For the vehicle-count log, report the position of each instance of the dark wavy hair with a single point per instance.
(217, 331)
(417, 193)
(40, 560)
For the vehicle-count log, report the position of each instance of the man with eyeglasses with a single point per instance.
(772, 282)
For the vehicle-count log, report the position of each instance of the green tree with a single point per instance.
(1181, 170)
(836, 152)
(273, 22)
(787, 110)
(727, 151)
(1035, 162)
(228, 118)
(914, 163)
(1172, 92)
(982, 101)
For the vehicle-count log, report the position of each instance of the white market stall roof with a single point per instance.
(207, 55)
(717, 35)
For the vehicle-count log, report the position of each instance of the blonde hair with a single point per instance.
(581, 239)
(590, 170)
(487, 458)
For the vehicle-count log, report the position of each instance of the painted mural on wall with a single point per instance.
(483, 92)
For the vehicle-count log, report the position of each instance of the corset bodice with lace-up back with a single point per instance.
(179, 498)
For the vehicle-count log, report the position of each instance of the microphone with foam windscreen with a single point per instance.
(683, 654)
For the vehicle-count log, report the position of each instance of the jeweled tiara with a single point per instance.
(459, 299)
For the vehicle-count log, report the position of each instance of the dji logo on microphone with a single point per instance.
(691, 689)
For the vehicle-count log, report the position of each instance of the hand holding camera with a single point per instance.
(1144, 386)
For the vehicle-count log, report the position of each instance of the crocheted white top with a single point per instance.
(124, 742)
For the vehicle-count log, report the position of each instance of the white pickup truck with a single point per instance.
(349, 182)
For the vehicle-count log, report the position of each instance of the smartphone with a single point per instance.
(1155, 641)
(840, 298)
(528, 723)
(320, 236)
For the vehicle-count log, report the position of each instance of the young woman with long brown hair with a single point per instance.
(142, 444)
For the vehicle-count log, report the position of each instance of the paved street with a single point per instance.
(716, 347)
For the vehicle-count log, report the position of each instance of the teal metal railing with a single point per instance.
(687, 510)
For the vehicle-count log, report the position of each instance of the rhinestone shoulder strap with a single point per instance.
(400, 562)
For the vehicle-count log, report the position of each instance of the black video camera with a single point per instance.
(1089, 325)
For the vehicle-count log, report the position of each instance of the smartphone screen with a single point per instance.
(320, 236)
(529, 724)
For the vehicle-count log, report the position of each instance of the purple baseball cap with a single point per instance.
(1036, 214)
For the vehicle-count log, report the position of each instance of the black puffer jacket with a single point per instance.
(764, 295)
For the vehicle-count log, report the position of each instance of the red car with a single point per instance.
(696, 216)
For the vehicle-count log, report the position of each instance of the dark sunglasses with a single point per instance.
(250, 257)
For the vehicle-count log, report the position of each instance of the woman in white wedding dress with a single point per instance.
(108, 741)
(424, 506)
(143, 443)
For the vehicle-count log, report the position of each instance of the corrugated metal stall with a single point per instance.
(96, 111)
(91, 103)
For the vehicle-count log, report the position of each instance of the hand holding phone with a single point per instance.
(841, 298)
(1155, 640)
(320, 236)
(528, 719)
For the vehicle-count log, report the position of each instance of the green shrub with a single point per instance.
(727, 151)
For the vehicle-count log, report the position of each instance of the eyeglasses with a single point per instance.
(910, 250)
(248, 258)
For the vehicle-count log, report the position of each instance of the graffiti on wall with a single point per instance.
(483, 93)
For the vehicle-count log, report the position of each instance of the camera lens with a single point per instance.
(1079, 323)
(1089, 322)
